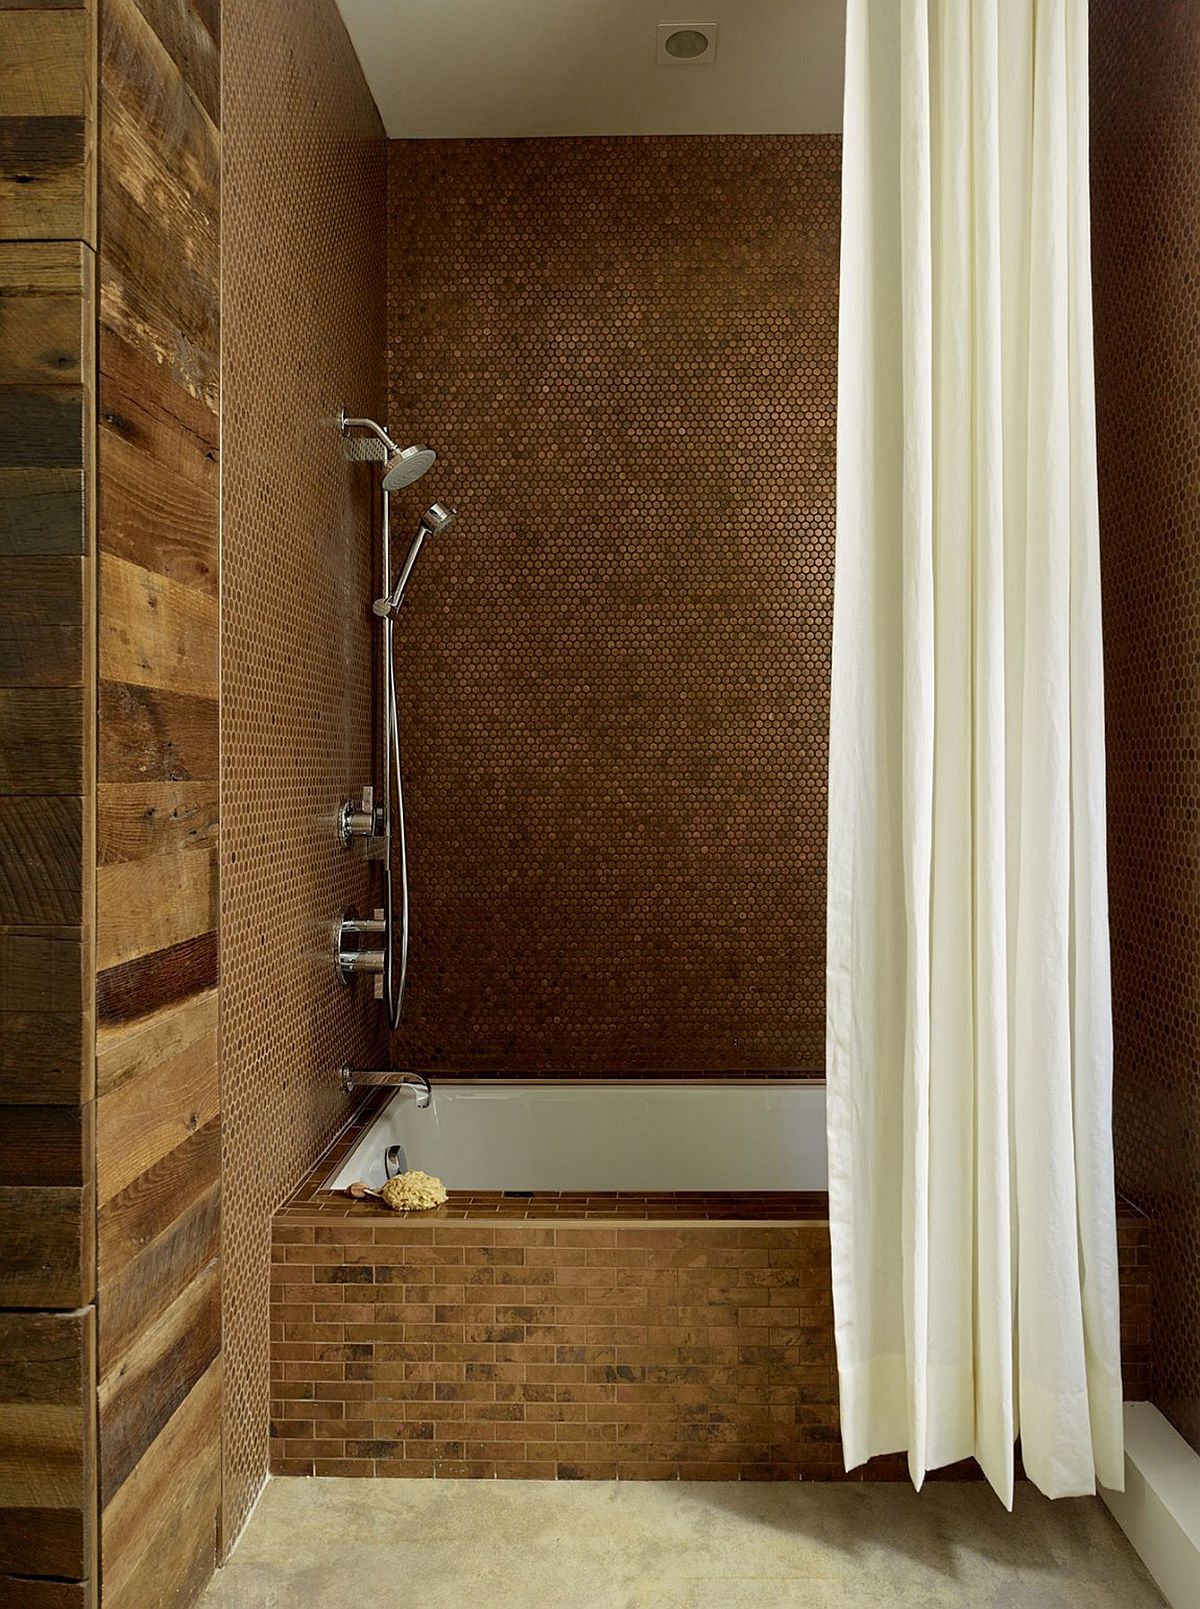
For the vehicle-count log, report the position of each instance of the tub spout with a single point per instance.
(397, 1078)
(418, 1083)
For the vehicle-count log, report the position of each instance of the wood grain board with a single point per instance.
(41, 860)
(47, 839)
(48, 122)
(135, 819)
(159, 1525)
(49, 1237)
(47, 1445)
(109, 664)
(47, 686)
(140, 933)
(158, 1093)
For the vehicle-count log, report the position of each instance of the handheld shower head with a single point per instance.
(436, 519)
(405, 465)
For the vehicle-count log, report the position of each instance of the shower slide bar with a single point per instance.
(378, 945)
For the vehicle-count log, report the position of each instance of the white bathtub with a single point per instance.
(641, 1136)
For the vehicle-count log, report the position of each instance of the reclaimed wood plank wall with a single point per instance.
(110, 1362)
(157, 1087)
(47, 784)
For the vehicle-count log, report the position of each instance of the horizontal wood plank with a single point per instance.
(49, 1239)
(44, 63)
(42, 740)
(155, 632)
(47, 1145)
(47, 1444)
(187, 33)
(158, 452)
(160, 271)
(39, 340)
(160, 1525)
(47, 313)
(128, 992)
(139, 1396)
(44, 621)
(45, 1057)
(136, 819)
(132, 1220)
(154, 904)
(149, 735)
(146, 1117)
(42, 427)
(44, 178)
(44, 971)
(24, 1592)
(41, 861)
(132, 1297)
(134, 1049)
(41, 1540)
(42, 511)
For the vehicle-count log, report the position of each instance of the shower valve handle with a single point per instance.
(360, 944)
(361, 822)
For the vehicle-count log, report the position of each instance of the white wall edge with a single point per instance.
(1159, 1510)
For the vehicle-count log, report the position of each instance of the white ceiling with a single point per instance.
(476, 69)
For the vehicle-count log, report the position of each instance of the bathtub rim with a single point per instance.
(310, 1202)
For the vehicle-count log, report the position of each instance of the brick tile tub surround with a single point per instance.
(647, 1340)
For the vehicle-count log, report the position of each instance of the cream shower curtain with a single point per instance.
(969, 1039)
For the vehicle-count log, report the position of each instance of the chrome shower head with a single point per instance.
(438, 518)
(405, 465)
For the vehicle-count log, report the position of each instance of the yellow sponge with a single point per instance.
(413, 1192)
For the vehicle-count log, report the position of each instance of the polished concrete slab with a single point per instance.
(349, 1544)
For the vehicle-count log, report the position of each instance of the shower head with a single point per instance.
(401, 465)
(436, 519)
(405, 465)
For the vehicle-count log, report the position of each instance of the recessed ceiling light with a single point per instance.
(686, 44)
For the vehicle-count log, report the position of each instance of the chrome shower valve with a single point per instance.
(361, 821)
(353, 950)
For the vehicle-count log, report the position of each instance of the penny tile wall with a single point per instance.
(614, 669)
(304, 264)
(1146, 258)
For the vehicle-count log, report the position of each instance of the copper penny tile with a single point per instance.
(614, 670)
(1145, 169)
(303, 229)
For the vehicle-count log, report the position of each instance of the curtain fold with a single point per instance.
(969, 1038)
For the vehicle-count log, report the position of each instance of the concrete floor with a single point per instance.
(358, 1544)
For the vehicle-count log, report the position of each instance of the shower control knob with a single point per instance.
(360, 822)
(360, 944)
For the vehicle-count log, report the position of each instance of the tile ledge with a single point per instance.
(1159, 1510)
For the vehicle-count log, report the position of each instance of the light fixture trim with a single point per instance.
(677, 43)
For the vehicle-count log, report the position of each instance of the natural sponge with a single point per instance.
(413, 1192)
